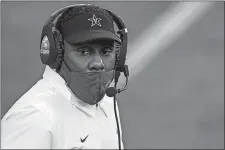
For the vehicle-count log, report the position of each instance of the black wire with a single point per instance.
(117, 122)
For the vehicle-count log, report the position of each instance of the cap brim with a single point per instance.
(91, 35)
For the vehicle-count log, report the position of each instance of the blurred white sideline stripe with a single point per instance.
(162, 33)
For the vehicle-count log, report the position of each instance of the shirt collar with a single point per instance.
(58, 82)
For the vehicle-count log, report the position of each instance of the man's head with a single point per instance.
(89, 39)
(84, 49)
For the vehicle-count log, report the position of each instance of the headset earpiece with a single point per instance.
(47, 38)
(54, 56)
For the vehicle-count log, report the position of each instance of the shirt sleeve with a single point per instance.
(27, 128)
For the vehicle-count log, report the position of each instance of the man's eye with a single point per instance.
(84, 51)
(107, 51)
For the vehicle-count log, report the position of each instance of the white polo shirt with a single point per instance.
(48, 116)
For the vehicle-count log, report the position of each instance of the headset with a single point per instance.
(52, 49)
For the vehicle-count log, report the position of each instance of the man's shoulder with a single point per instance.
(37, 93)
(38, 97)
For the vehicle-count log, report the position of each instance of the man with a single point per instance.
(68, 108)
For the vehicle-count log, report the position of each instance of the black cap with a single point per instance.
(88, 26)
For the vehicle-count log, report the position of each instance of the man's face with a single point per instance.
(91, 56)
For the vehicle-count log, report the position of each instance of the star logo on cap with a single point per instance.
(95, 21)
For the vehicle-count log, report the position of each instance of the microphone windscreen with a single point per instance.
(110, 92)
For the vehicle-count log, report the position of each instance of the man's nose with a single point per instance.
(96, 63)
